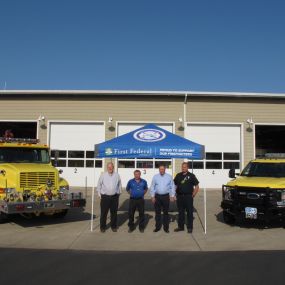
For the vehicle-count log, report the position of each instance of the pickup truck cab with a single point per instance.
(258, 193)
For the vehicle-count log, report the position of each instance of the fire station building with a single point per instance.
(234, 127)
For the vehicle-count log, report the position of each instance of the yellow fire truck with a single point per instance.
(29, 184)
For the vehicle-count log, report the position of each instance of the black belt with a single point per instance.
(136, 198)
(105, 195)
(184, 194)
(162, 194)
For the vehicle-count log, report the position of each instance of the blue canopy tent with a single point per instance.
(149, 141)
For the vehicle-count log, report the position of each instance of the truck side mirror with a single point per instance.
(232, 173)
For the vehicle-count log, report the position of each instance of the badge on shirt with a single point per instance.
(185, 179)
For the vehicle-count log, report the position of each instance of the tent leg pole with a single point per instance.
(86, 185)
(92, 205)
(205, 210)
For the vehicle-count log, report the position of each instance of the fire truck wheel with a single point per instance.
(3, 218)
(228, 218)
(61, 214)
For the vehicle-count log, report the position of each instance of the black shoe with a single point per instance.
(156, 230)
(114, 230)
(179, 230)
(130, 230)
(166, 230)
(103, 230)
(141, 230)
(189, 231)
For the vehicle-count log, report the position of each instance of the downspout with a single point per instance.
(185, 117)
(184, 108)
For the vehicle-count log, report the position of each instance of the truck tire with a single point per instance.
(3, 218)
(61, 214)
(228, 218)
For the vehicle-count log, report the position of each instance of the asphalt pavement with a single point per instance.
(45, 267)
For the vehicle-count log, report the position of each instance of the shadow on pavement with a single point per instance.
(74, 215)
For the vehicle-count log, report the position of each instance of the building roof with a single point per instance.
(139, 93)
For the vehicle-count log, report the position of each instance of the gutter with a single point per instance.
(91, 93)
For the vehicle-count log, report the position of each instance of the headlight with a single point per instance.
(7, 190)
(63, 188)
(228, 194)
(281, 197)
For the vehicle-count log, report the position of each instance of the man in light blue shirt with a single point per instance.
(162, 190)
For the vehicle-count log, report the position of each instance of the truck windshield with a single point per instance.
(258, 169)
(24, 155)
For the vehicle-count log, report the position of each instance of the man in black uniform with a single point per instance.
(187, 186)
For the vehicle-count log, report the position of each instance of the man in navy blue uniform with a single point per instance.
(136, 187)
(187, 186)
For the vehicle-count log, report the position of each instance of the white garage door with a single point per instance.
(223, 151)
(148, 167)
(75, 144)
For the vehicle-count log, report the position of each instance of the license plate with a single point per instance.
(250, 213)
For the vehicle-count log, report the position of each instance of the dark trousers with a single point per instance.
(109, 203)
(136, 204)
(161, 204)
(185, 203)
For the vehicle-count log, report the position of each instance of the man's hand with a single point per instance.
(153, 200)
(172, 199)
(196, 189)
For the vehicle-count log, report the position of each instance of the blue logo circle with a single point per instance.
(149, 135)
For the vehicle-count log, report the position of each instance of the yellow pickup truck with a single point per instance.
(258, 193)
(29, 184)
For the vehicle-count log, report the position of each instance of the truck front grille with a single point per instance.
(32, 180)
(255, 196)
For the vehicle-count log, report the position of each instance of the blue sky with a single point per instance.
(204, 45)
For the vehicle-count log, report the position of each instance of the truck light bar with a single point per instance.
(274, 155)
(18, 140)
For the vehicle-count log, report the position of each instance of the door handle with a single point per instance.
(75, 170)
(213, 172)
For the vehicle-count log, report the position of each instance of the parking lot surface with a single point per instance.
(73, 232)
(35, 266)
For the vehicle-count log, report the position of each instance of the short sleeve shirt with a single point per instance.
(185, 183)
(137, 188)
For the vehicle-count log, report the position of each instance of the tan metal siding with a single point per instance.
(237, 111)
(139, 108)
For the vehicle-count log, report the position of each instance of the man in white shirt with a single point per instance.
(109, 188)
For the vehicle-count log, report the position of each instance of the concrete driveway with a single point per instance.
(73, 232)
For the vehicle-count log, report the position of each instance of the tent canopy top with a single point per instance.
(150, 141)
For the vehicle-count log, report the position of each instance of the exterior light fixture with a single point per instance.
(249, 124)
(42, 121)
(181, 124)
(110, 124)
